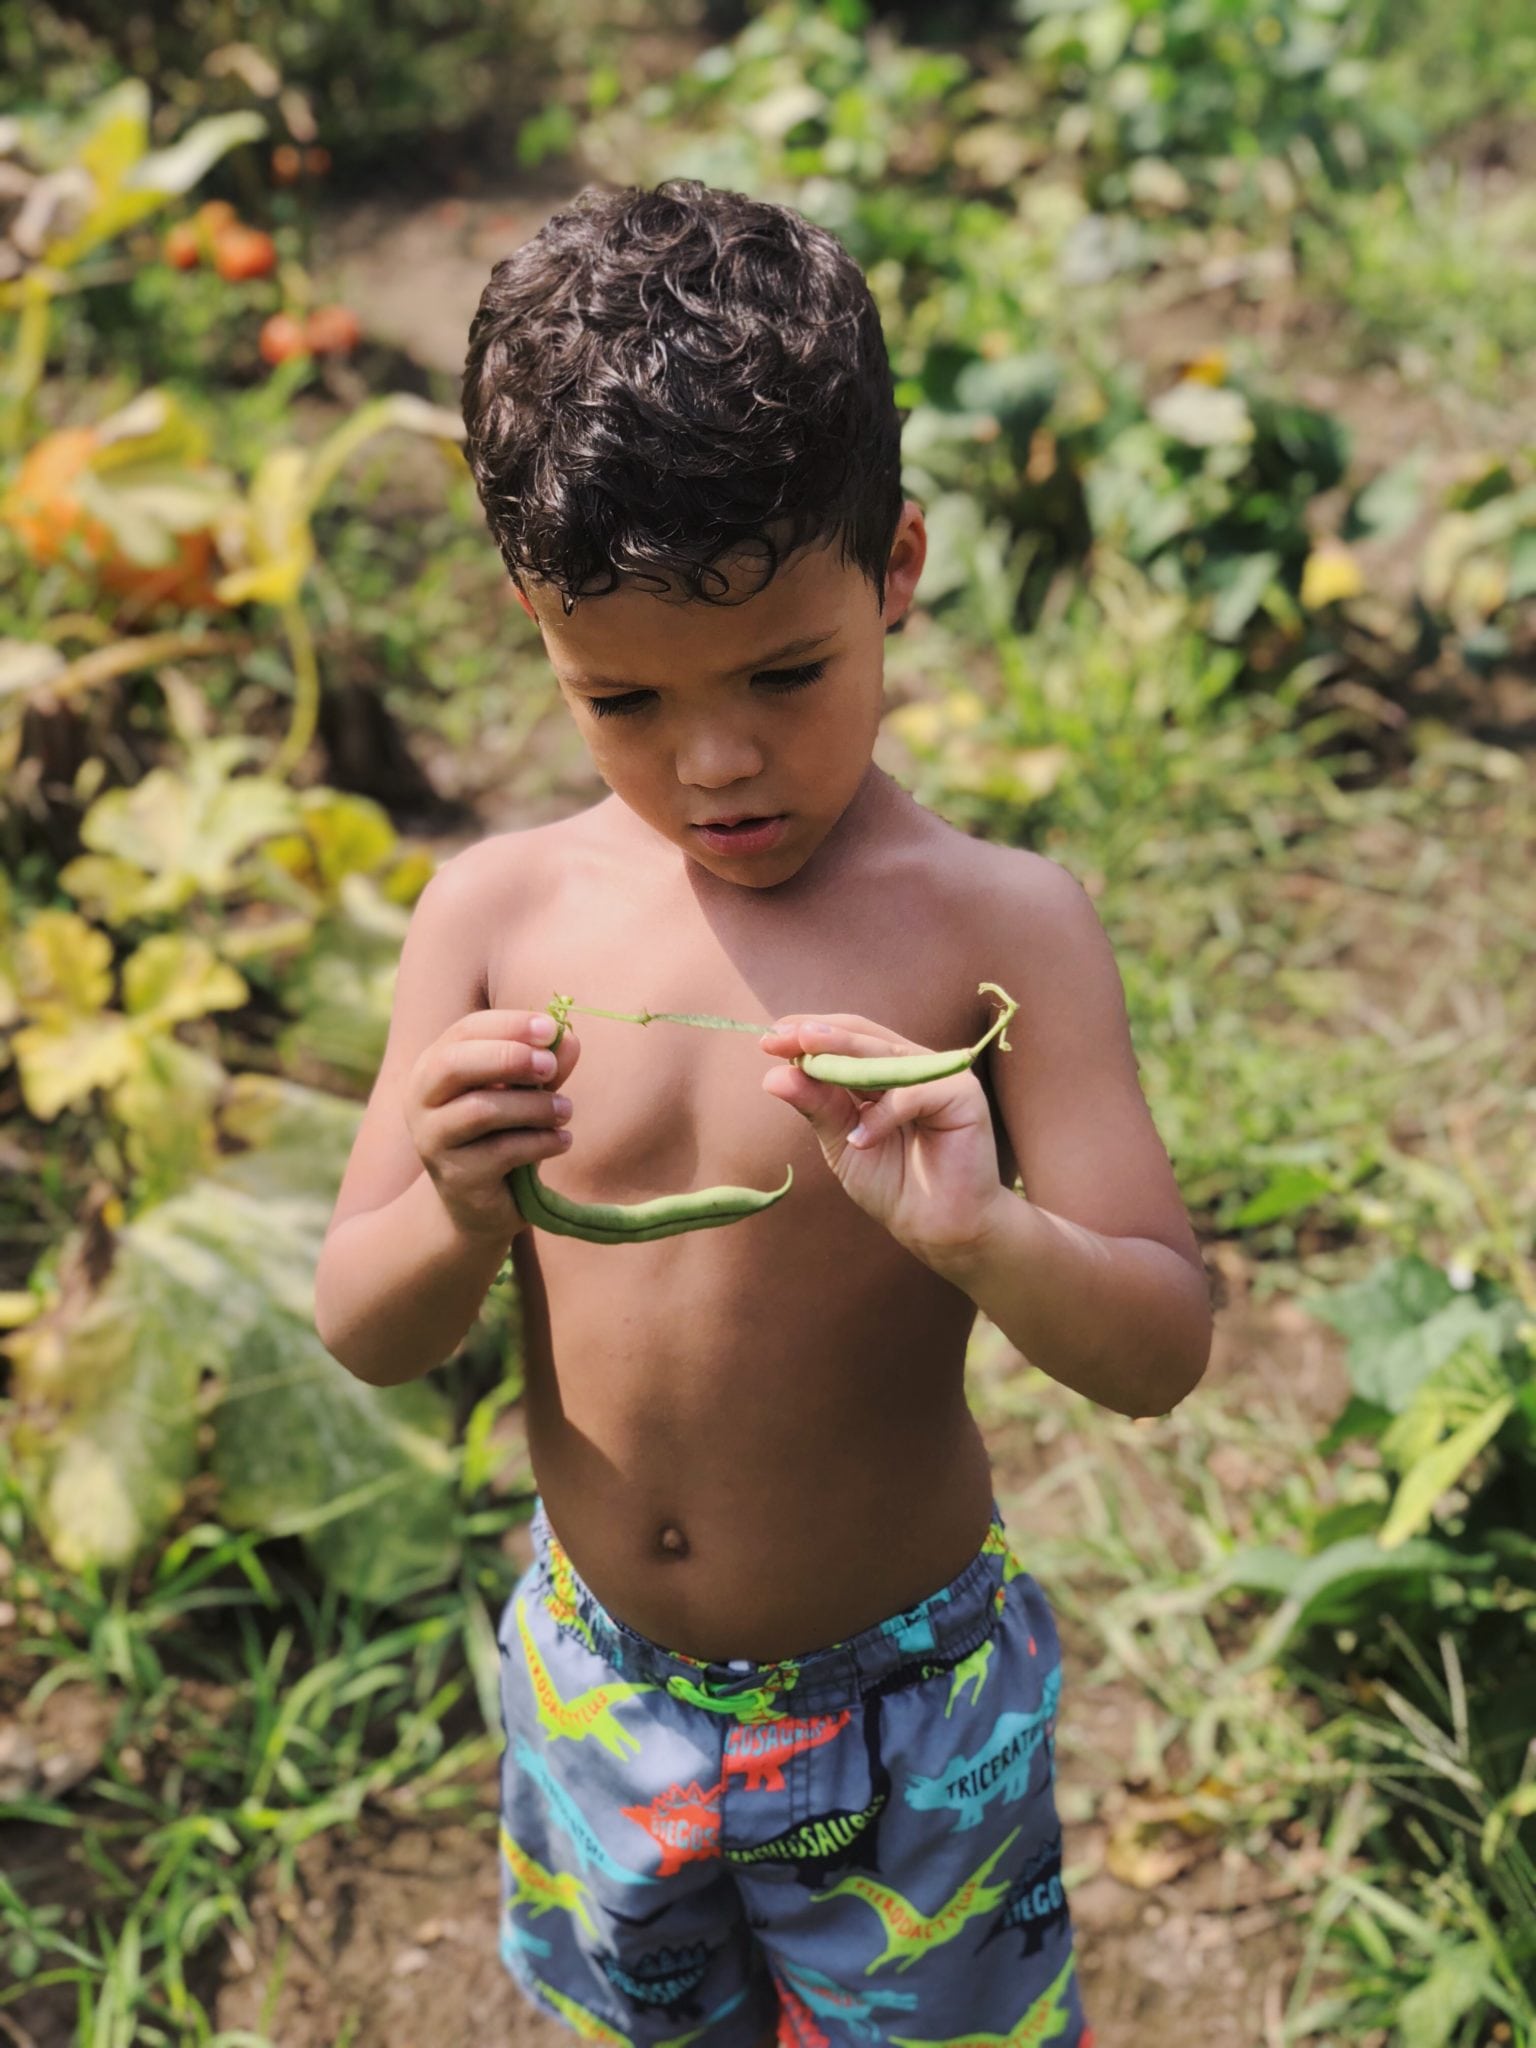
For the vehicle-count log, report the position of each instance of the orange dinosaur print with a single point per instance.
(757, 1752)
(797, 2023)
(683, 1822)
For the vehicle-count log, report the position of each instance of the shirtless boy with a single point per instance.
(780, 1697)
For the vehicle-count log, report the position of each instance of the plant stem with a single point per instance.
(667, 1017)
(306, 691)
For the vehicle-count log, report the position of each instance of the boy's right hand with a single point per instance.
(480, 1101)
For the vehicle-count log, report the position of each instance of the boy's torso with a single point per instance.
(786, 1391)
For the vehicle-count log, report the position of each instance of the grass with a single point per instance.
(251, 1710)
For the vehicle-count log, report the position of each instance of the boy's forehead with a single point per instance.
(613, 635)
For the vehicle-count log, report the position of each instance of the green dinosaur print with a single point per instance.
(971, 1671)
(909, 1933)
(587, 2024)
(542, 1890)
(1046, 2020)
(586, 1713)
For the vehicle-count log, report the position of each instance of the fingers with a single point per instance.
(806, 1033)
(483, 1112)
(496, 1053)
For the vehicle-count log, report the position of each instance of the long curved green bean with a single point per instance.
(906, 1070)
(637, 1222)
(633, 1222)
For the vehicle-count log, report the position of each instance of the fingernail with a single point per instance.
(562, 1104)
(542, 1029)
(543, 1063)
(858, 1135)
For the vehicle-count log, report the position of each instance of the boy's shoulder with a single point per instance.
(974, 888)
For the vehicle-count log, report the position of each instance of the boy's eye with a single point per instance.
(781, 681)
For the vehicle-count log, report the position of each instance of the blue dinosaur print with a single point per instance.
(514, 1937)
(572, 1819)
(1000, 1768)
(854, 2009)
(913, 1631)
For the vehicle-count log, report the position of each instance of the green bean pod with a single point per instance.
(908, 1069)
(636, 1222)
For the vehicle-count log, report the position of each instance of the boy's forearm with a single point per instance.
(397, 1289)
(1124, 1320)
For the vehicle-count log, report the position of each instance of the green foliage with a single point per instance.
(1215, 103)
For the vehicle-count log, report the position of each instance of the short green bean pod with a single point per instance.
(633, 1222)
(906, 1070)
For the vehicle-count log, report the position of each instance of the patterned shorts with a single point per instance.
(859, 1845)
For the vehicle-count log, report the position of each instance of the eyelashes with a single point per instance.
(781, 681)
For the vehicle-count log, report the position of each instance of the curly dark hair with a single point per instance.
(658, 379)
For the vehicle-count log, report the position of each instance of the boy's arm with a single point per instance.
(398, 1284)
(1096, 1277)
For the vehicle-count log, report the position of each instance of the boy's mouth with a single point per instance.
(745, 835)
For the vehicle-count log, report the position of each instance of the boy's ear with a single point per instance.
(517, 592)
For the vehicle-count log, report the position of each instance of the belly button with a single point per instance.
(673, 1541)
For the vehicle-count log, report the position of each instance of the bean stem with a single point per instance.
(662, 1017)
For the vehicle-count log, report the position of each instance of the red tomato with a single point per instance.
(333, 330)
(241, 252)
(281, 337)
(180, 247)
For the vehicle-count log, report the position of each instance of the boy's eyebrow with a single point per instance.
(791, 647)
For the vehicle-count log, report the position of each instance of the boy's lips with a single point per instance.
(745, 834)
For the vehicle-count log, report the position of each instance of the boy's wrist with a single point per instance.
(994, 1237)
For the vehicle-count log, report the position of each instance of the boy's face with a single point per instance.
(694, 712)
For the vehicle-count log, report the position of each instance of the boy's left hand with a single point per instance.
(929, 1170)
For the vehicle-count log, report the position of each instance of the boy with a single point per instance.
(780, 1699)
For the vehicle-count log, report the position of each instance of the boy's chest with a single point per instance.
(667, 1104)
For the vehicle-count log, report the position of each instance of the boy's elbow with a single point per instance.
(1182, 1365)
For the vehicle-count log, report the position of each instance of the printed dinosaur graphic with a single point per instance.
(572, 1819)
(999, 1769)
(683, 1822)
(514, 1937)
(587, 2024)
(757, 1754)
(911, 1934)
(913, 1630)
(664, 1979)
(829, 1841)
(541, 1890)
(797, 2023)
(823, 1842)
(996, 1544)
(970, 1671)
(560, 1602)
(696, 2033)
(586, 1713)
(1047, 2019)
(856, 2010)
(1036, 1903)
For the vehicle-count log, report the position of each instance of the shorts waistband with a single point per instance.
(935, 1635)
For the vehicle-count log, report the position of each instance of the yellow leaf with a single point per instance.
(173, 976)
(64, 963)
(64, 1057)
(1331, 575)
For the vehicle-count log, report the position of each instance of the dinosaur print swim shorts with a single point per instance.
(859, 1845)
